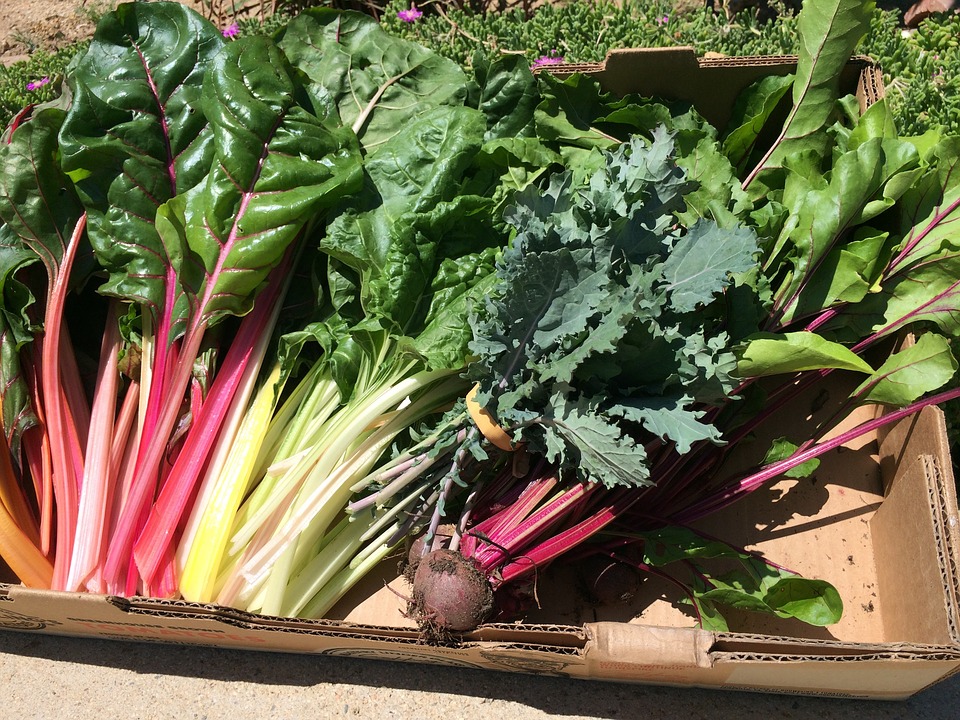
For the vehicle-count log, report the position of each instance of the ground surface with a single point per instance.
(27, 25)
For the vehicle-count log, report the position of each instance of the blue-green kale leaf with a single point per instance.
(605, 327)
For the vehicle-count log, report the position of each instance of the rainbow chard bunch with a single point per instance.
(235, 273)
(177, 182)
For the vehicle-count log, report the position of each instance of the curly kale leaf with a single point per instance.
(604, 330)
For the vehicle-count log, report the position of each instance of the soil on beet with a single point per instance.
(449, 596)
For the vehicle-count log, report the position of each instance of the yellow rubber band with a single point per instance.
(486, 424)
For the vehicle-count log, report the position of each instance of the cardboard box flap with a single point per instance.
(915, 533)
(766, 646)
(711, 84)
(649, 644)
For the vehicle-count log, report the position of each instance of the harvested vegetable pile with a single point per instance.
(272, 308)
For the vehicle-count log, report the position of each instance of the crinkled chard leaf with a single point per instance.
(506, 93)
(410, 216)
(371, 81)
(276, 168)
(38, 202)
(136, 136)
(39, 209)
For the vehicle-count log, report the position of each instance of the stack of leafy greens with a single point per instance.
(273, 269)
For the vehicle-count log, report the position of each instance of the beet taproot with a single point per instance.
(449, 594)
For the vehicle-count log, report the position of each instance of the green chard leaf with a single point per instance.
(410, 218)
(136, 136)
(371, 81)
(569, 109)
(718, 195)
(930, 205)
(38, 202)
(15, 332)
(506, 93)
(277, 167)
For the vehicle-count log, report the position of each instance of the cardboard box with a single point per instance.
(879, 520)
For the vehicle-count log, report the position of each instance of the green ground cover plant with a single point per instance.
(922, 91)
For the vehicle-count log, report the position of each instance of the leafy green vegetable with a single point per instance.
(596, 274)
(827, 40)
(754, 584)
(370, 81)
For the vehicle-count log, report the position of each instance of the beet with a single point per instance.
(449, 594)
(417, 550)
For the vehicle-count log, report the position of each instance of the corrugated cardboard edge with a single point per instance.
(660, 67)
(549, 649)
(918, 446)
(914, 455)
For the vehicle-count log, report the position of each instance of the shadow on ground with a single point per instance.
(554, 696)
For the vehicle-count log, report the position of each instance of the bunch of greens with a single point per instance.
(855, 249)
(286, 261)
(275, 245)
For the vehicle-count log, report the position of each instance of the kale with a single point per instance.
(606, 325)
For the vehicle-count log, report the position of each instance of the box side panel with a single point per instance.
(878, 677)
(915, 534)
(99, 616)
(676, 656)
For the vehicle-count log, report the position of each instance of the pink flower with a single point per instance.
(37, 84)
(663, 20)
(231, 30)
(411, 15)
(551, 59)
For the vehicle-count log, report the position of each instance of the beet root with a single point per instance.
(418, 549)
(449, 594)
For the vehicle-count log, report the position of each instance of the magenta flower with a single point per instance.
(37, 84)
(411, 15)
(231, 30)
(551, 59)
(663, 20)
